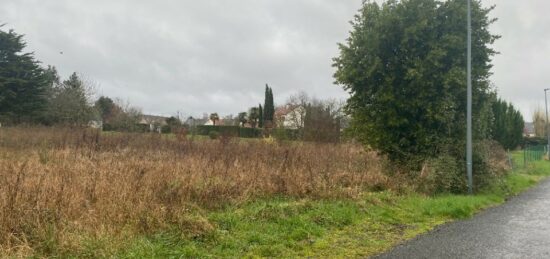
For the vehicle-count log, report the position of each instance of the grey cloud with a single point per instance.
(216, 56)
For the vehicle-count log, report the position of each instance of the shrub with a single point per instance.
(442, 174)
(447, 172)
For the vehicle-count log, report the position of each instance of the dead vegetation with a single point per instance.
(60, 185)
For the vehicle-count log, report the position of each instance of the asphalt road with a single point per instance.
(518, 229)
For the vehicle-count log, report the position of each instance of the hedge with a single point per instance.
(286, 134)
(250, 133)
(234, 131)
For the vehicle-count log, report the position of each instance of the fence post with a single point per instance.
(525, 157)
(510, 160)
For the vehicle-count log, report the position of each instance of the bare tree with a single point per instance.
(322, 122)
(539, 122)
(295, 111)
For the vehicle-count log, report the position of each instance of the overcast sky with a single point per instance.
(216, 56)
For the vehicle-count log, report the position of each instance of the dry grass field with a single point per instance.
(59, 187)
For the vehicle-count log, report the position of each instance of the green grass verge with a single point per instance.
(284, 228)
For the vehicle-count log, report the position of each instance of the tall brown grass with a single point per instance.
(59, 185)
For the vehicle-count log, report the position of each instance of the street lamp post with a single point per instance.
(469, 103)
(546, 124)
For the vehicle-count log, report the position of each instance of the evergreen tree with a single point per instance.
(70, 103)
(261, 116)
(106, 108)
(23, 83)
(508, 124)
(269, 106)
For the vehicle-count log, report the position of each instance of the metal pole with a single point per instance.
(469, 108)
(546, 124)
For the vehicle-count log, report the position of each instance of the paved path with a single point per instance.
(518, 229)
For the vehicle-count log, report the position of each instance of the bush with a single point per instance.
(442, 175)
(447, 172)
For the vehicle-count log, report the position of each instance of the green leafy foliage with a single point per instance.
(404, 66)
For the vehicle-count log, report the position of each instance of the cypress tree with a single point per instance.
(266, 103)
(269, 107)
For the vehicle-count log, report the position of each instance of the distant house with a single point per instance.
(290, 117)
(529, 130)
(192, 122)
(153, 123)
(95, 124)
(209, 122)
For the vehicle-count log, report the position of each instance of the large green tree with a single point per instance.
(404, 66)
(23, 83)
